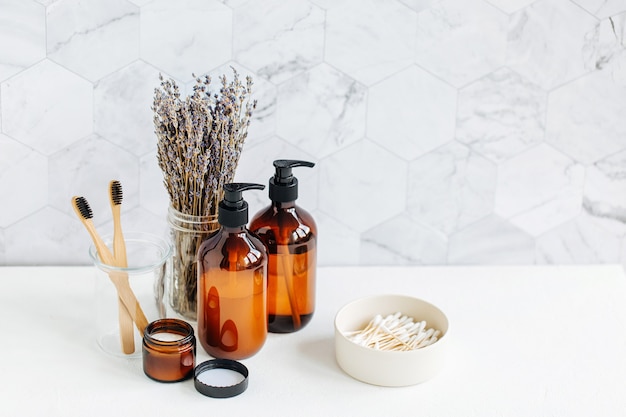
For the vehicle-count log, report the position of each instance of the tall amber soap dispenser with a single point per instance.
(232, 282)
(290, 235)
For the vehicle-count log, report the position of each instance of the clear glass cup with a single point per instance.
(148, 267)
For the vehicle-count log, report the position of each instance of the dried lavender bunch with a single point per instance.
(200, 139)
(199, 142)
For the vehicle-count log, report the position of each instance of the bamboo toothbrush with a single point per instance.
(119, 246)
(120, 280)
(127, 334)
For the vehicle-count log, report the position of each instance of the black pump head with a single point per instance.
(283, 185)
(233, 209)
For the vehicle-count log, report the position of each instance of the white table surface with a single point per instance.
(524, 341)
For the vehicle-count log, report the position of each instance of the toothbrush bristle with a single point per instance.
(116, 192)
(83, 207)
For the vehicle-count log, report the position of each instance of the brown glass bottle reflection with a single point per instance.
(290, 238)
(231, 294)
(232, 283)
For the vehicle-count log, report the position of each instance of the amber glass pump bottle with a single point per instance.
(290, 235)
(232, 282)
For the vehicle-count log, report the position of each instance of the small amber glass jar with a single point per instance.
(169, 350)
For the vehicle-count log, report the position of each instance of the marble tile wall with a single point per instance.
(443, 132)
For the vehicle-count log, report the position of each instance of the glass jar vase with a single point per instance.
(187, 232)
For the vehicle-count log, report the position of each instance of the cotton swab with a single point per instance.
(394, 332)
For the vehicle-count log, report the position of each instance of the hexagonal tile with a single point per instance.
(419, 5)
(539, 189)
(605, 191)
(547, 42)
(256, 165)
(362, 185)
(153, 195)
(501, 115)
(233, 4)
(61, 240)
(93, 41)
(337, 243)
(411, 113)
(450, 188)
(139, 219)
(47, 107)
(22, 36)
(602, 8)
(321, 111)
(263, 123)
(140, 2)
(326, 4)
(122, 107)
(402, 241)
(461, 41)
(491, 241)
(580, 127)
(370, 40)
(278, 42)
(509, 6)
(186, 36)
(23, 174)
(580, 241)
(605, 46)
(85, 169)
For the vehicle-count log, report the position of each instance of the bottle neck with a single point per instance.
(234, 229)
(284, 204)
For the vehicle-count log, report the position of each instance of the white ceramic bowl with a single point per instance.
(384, 367)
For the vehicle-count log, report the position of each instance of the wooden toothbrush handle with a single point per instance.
(127, 334)
(125, 293)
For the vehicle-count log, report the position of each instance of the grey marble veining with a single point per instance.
(547, 40)
(579, 241)
(451, 187)
(321, 111)
(548, 193)
(22, 36)
(501, 115)
(460, 41)
(122, 101)
(363, 183)
(92, 41)
(411, 113)
(369, 39)
(21, 181)
(181, 37)
(402, 241)
(47, 107)
(278, 42)
(604, 197)
(443, 131)
(488, 239)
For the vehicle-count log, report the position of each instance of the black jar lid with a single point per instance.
(218, 390)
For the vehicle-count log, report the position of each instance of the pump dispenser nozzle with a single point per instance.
(283, 185)
(233, 209)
